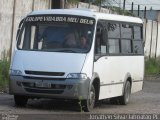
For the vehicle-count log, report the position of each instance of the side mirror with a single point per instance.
(19, 28)
(18, 31)
(104, 32)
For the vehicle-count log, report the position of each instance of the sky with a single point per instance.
(154, 4)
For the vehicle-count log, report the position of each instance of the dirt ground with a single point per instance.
(145, 102)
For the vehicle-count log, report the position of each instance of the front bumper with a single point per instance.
(68, 88)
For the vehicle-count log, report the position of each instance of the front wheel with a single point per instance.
(126, 95)
(20, 100)
(88, 105)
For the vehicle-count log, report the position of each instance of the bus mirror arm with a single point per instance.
(144, 43)
(17, 33)
(19, 28)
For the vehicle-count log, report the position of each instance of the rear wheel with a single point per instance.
(114, 101)
(88, 105)
(123, 100)
(20, 100)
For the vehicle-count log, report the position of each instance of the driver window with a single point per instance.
(100, 44)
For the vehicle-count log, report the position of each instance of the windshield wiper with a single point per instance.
(72, 51)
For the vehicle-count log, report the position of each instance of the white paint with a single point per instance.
(114, 70)
(48, 61)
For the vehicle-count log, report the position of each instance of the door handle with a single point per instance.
(105, 57)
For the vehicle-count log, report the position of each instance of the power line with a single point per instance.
(142, 4)
(134, 8)
(128, 4)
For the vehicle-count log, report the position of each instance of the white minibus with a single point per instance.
(79, 55)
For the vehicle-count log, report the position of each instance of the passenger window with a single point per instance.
(137, 33)
(137, 47)
(126, 38)
(137, 40)
(114, 47)
(114, 38)
(113, 30)
(126, 31)
(126, 46)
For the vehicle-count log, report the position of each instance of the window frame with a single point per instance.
(120, 39)
(36, 23)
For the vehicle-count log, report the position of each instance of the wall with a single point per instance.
(152, 41)
(10, 18)
(85, 5)
(6, 11)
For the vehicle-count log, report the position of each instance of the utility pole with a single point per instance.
(119, 3)
(100, 5)
(138, 9)
(156, 40)
(150, 52)
(132, 7)
(145, 12)
(124, 4)
(12, 31)
(145, 25)
(89, 4)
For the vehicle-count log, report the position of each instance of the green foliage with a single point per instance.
(97, 2)
(152, 66)
(73, 1)
(4, 70)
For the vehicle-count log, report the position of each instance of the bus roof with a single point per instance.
(89, 13)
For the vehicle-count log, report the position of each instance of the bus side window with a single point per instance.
(114, 38)
(137, 40)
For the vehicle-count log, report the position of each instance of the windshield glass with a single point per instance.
(57, 33)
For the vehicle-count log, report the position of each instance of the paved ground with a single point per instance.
(144, 102)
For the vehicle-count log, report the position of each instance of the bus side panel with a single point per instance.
(110, 91)
(101, 68)
(112, 71)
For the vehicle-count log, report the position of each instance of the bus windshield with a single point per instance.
(56, 34)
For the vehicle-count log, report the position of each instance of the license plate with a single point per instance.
(42, 85)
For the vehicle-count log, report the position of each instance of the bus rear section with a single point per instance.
(119, 58)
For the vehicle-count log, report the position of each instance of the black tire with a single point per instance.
(114, 101)
(88, 105)
(123, 100)
(20, 100)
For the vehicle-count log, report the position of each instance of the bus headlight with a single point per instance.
(15, 72)
(77, 76)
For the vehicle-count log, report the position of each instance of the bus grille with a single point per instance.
(44, 73)
(32, 90)
(42, 78)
